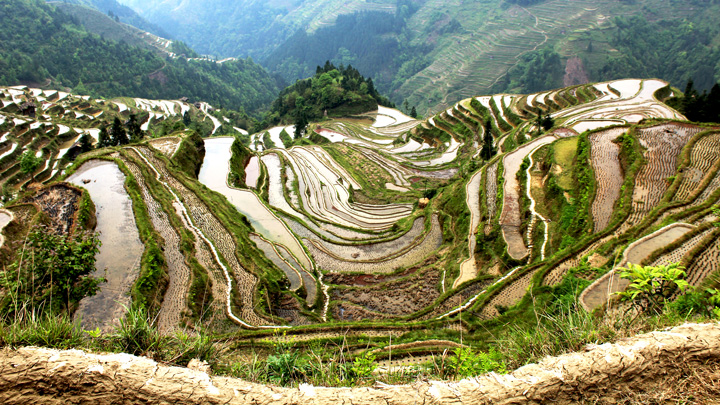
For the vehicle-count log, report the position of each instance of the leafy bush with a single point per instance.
(29, 162)
(51, 273)
(363, 366)
(651, 286)
(466, 363)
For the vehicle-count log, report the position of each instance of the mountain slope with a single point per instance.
(246, 27)
(51, 49)
(123, 13)
(440, 52)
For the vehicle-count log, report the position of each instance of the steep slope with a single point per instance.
(53, 51)
(248, 27)
(434, 53)
(107, 27)
(119, 12)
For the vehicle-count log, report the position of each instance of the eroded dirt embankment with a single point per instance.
(604, 373)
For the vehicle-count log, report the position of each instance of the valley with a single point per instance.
(377, 218)
(515, 184)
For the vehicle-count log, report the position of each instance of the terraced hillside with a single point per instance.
(375, 225)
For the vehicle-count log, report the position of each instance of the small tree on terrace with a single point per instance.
(488, 150)
(133, 129)
(103, 138)
(51, 273)
(118, 135)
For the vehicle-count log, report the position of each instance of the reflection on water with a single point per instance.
(213, 174)
(119, 257)
(252, 172)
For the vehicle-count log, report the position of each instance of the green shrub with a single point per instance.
(363, 366)
(466, 363)
(652, 286)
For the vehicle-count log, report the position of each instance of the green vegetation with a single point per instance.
(190, 154)
(50, 275)
(332, 91)
(371, 41)
(652, 286)
(241, 155)
(564, 154)
(698, 107)
(51, 46)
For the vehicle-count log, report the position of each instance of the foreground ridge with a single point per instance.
(603, 371)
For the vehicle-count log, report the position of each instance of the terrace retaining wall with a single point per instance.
(36, 375)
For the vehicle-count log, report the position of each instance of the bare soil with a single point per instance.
(60, 203)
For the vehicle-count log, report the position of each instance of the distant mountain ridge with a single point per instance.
(434, 52)
(53, 51)
(123, 13)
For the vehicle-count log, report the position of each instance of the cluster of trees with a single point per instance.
(120, 134)
(377, 43)
(333, 91)
(42, 43)
(368, 40)
(673, 50)
(699, 107)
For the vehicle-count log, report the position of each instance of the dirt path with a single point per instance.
(604, 373)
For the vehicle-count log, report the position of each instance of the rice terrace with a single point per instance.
(227, 249)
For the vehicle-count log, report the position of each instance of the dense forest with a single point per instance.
(674, 50)
(122, 13)
(696, 106)
(377, 43)
(368, 40)
(48, 47)
(333, 91)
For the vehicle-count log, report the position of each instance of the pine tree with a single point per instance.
(103, 138)
(488, 150)
(133, 129)
(413, 112)
(118, 135)
(300, 126)
(85, 143)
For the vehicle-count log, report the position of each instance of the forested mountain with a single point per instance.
(122, 13)
(433, 52)
(50, 48)
(332, 91)
(369, 40)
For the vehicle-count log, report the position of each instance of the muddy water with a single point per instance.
(119, 257)
(252, 172)
(5, 218)
(213, 174)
